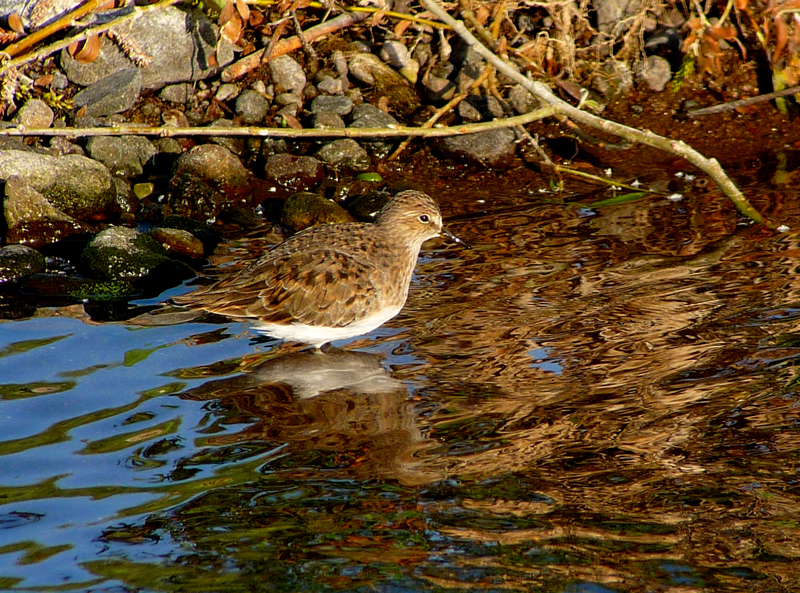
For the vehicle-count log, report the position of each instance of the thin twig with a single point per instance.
(393, 132)
(677, 147)
(742, 102)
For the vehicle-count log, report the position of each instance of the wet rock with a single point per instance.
(369, 69)
(492, 147)
(179, 241)
(656, 72)
(207, 179)
(125, 156)
(332, 104)
(126, 198)
(272, 146)
(294, 172)
(79, 186)
(252, 108)
(306, 209)
(32, 220)
(208, 237)
(369, 116)
(177, 45)
(365, 207)
(287, 75)
(35, 113)
(522, 100)
(18, 261)
(477, 108)
(345, 152)
(120, 253)
(113, 94)
(69, 288)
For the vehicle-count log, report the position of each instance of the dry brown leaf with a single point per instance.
(242, 9)
(15, 23)
(292, 122)
(232, 30)
(256, 18)
(43, 81)
(85, 51)
(401, 27)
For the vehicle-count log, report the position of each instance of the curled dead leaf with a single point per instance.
(85, 51)
(15, 23)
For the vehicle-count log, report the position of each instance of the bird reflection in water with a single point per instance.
(344, 405)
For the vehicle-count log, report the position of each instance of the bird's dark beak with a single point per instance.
(448, 235)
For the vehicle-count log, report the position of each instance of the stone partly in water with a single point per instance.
(120, 253)
(346, 153)
(78, 186)
(69, 288)
(306, 209)
(18, 261)
(295, 173)
(206, 180)
(492, 147)
(32, 220)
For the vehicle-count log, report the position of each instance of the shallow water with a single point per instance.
(589, 400)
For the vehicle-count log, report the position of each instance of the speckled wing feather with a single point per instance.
(319, 287)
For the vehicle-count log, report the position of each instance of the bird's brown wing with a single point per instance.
(320, 287)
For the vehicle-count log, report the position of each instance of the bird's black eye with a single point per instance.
(424, 218)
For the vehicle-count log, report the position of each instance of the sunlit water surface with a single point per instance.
(589, 400)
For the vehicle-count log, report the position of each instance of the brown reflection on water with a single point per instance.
(342, 405)
(642, 363)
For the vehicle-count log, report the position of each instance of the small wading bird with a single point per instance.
(330, 282)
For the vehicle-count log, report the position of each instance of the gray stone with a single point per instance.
(345, 152)
(369, 116)
(35, 113)
(79, 186)
(287, 75)
(330, 85)
(656, 72)
(612, 15)
(492, 147)
(616, 80)
(59, 146)
(179, 44)
(226, 92)
(480, 108)
(177, 93)
(18, 261)
(522, 100)
(334, 104)
(251, 107)
(326, 120)
(113, 94)
(123, 155)
(36, 15)
(288, 99)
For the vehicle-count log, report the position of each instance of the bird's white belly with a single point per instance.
(318, 335)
